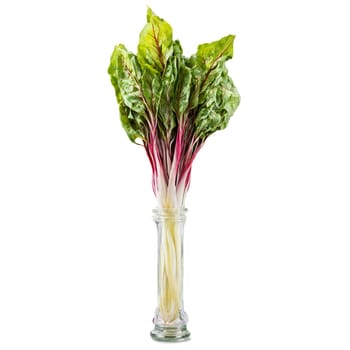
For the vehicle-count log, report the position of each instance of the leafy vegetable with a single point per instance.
(172, 104)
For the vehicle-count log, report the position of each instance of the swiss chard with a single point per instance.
(171, 104)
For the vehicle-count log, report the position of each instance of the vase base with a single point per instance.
(170, 334)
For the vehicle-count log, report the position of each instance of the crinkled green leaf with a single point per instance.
(156, 43)
(130, 126)
(182, 86)
(126, 76)
(218, 102)
(183, 89)
(151, 89)
(126, 73)
(210, 54)
(213, 95)
(112, 71)
(196, 83)
(206, 66)
(212, 81)
(166, 116)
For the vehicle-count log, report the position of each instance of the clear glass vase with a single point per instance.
(170, 319)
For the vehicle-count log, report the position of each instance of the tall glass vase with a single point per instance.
(170, 320)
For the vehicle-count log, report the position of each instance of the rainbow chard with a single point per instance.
(170, 105)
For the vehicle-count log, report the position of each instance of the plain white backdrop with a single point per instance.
(267, 248)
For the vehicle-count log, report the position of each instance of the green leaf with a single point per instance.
(176, 90)
(228, 97)
(183, 89)
(205, 62)
(131, 128)
(218, 103)
(112, 71)
(166, 116)
(214, 98)
(210, 54)
(182, 81)
(196, 82)
(126, 75)
(151, 87)
(156, 43)
(213, 78)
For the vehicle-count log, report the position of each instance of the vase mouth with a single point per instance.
(177, 214)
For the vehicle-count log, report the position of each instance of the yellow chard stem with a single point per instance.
(170, 270)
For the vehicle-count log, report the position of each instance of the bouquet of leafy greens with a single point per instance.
(171, 104)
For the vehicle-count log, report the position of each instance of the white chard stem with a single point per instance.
(170, 270)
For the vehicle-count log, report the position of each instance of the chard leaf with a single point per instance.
(156, 43)
(130, 126)
(197, 76)
(214, 96)
(213, 79)
(166, 117)
(207, 64)
(218, 103)
(112, 71)
(210, 54)
(151, 89)
(126, 74)
(183, 89)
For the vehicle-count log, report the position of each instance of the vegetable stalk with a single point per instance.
(170, 265)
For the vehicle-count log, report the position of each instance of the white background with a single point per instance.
(267, 249)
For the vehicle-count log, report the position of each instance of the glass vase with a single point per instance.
(170, 319)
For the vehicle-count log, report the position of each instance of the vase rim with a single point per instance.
(166, 213)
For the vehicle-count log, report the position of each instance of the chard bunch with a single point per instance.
(171, 104)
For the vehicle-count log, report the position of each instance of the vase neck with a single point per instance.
(170, 227)
(172, 214)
